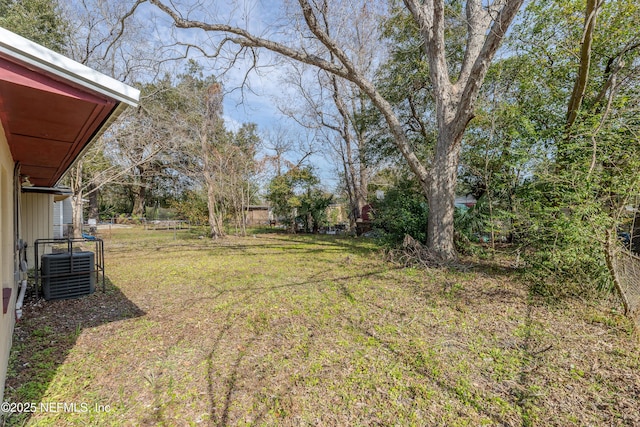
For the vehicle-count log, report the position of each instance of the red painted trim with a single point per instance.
(92, 107)
(17, 74)
(98, 116)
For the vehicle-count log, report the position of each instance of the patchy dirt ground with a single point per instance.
(302, 330)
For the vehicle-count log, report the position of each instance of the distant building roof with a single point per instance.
(467, 201)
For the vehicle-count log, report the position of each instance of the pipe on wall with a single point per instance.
(20, 300)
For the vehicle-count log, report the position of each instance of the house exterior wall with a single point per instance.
(45, 98)
(36, 221)
(258, 215)
(7, 259)
(62, 218)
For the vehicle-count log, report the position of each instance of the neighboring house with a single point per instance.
(51, 110)
(62, 216)
(465, 202)
(258, 214)
(336, 214)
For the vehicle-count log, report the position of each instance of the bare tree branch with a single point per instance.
(580, 86)
(454, 102)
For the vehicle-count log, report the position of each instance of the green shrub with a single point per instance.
(561, 233)
(404, 210)
(191, 207)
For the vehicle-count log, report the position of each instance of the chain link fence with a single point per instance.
(626, 268)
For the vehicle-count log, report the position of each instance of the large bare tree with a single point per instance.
(204, 152)
(487, 23)
(100, 36)
(332, 112)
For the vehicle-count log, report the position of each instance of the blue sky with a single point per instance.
(251, 97)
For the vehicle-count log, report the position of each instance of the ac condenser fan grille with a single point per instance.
(68, 275)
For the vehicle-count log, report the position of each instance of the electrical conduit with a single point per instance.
(20, 300)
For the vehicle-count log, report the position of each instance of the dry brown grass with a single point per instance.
(305, 330)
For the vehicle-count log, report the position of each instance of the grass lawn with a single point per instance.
(316, 330)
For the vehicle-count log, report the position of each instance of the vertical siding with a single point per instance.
(62, 217)
(57, 212)
(67, 212)
(36, 221)
(7, 321)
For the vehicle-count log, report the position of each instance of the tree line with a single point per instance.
(531, 109)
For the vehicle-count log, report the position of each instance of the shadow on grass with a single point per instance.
(47, 333)
(532, 360)
(523, 392)
(220, 408)
(359, 245)
(420, 364)
(279, 243)
(427, 368)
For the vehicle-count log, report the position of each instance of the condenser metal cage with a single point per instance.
(67, 271)
(68, 275)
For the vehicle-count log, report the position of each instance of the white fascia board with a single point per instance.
(38, 56)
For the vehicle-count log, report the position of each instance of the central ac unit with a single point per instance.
(68, 275)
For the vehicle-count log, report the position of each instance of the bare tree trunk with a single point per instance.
(610, 248)
(354, 211)
(441, 194)
(75, 178)
(214, 221)
(246, 201)
(580, 84)
(139, 196)
(350, 180)
(208, 136)
(363, 185)
(353, 179)
(94, 208)
(454, 101)
(77, 206)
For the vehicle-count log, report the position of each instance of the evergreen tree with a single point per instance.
(37, 20)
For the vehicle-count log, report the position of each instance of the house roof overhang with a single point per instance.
(56, 191)
(52, 108)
